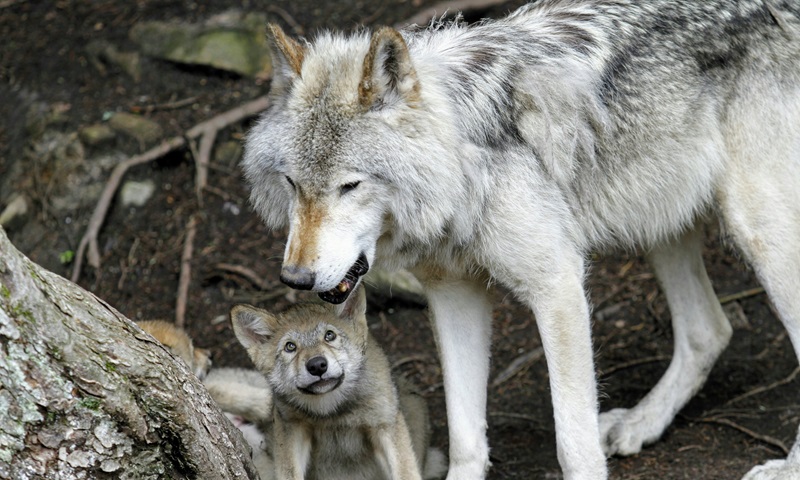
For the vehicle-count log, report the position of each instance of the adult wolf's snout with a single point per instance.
(299, 278)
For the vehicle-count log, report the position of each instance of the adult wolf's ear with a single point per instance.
(287, 55)
(387, 71)
(252, 326)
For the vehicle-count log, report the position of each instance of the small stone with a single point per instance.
(228, 153)
(96, 134)
(142, 129)
(101, 52)
(136, 194)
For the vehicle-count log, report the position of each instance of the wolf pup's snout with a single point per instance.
(317, 366)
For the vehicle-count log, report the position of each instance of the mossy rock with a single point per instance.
(236, 44)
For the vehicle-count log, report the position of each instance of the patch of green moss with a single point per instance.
(33, 272)
(90, 403)
(110, 367)
(18, 311)
(5, 292)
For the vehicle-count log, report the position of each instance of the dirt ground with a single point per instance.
(43, 60)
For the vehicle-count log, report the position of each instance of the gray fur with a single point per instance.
(507, 151)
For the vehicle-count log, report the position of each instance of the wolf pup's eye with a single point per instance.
(291, 183)
(330, 336)
(348, 187)
(290, 347)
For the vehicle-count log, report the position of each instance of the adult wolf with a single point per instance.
(506, 151)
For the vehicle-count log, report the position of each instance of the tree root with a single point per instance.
(206, 131)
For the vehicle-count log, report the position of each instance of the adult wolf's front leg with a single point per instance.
(462, 325)
(562, 315)
(550, 280)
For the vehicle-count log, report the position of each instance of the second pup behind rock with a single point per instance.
(338, 414)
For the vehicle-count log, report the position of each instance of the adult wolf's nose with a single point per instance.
(317, 366)
(299, 278)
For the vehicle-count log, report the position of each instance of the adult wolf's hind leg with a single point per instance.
(701, 333)
(759, 196)
(761, 209)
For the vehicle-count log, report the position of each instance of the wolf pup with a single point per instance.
(242, 395)
(507, 151)
(246, 399)
(180, 344)
(337, 412)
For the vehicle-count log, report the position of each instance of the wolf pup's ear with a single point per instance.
(354, 307)
(252, 326)
(288, 55)
(354, 312)
(387, 74)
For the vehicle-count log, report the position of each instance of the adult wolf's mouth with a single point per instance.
(340, 293)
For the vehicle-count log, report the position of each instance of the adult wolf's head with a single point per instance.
(341, 152)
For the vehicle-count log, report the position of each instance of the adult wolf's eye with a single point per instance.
(291, 183)
(290, 347)
(330, 336)
(348, 187)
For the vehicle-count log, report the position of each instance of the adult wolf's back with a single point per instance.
(508, 150)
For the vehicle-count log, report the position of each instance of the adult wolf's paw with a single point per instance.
(622, 432)
(788, 469)
(468, 470)
(774, 470)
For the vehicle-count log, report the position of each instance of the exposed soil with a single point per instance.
(43, 59)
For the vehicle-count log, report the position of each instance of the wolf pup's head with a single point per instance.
(346, 146)
(312, 355)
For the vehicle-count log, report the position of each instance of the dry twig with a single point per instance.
(421, 357)
(763, 438)
(207, 132)
(789, 379)
(298, 29)
(518, 365)
(245, 272)
(209, 127)
(163, 106)
(740, 295)
(89, 239)
(633, 363)
(520, 416)
(186, 272)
